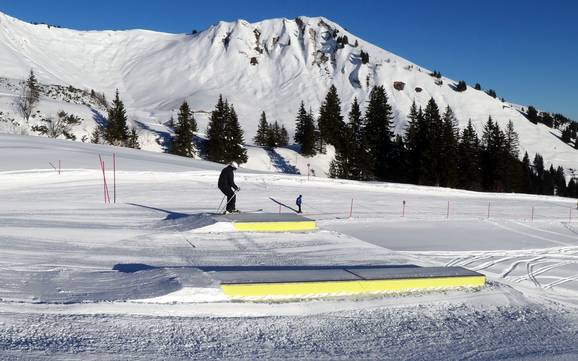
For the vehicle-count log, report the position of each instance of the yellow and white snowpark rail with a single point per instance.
(269, 222)
(311, 282)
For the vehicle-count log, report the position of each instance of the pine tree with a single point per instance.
(96, 135)
(560, 182)
(32, 84)
(350, 159)
(538, 165)
(233, 134)
(283, 137)
(305, 131)
(566, 135)
(512, 141)
(273, 137)
(185, 128)
(432, 164)
(377, 131)
(360, 164)
(461, 86)
(341, 166)
(398, 160)
(469, 159)
(527, 183)
(478, 86)
(493, 158)
(132, 141)
(413, 138)
(330, 119)
(547, 120)
(572, 190)
(117, 130)
(29, 97)
(515, 178)
(216, 132)
(532, 114)
(262, 131)
(548, 184)
(450, 139)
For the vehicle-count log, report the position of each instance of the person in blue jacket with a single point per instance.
(299, 201)
(228, 187)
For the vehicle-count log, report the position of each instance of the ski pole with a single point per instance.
(220, 204)
(229, 201)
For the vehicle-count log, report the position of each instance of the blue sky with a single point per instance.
(527, 50)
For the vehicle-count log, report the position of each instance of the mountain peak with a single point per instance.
(271, 65)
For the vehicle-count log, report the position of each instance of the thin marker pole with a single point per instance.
(403, 209)
(448, 213)
(114, 175)
(351, 209)
(489, 209)
(59, 166)
(532, 214)
(103, 183)
(106, 194)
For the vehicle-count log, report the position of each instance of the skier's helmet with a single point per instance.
(235, 165)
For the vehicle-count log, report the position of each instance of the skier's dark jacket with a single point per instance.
(227, 179)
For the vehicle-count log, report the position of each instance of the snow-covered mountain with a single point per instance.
(266, 66)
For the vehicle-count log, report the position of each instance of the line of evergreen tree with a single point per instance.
(184, 131)
(224, 135)
(434, 152)
(271, 135)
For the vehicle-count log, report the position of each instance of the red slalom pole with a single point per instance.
(106, 195)
(114, 175)
(103, 183)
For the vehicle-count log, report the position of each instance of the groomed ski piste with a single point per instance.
(139, 279)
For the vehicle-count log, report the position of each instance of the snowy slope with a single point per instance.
(62, 296)
(296, 60)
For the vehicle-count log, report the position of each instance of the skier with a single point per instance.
(227, 185)
(299, 201)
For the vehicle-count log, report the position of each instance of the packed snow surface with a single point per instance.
(81, 279)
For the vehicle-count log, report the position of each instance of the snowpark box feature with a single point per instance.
(262, 283)
(268, 222)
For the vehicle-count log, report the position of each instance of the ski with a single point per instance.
(241, 212)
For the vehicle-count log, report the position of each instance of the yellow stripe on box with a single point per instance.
(309, 289)
(275, 226)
